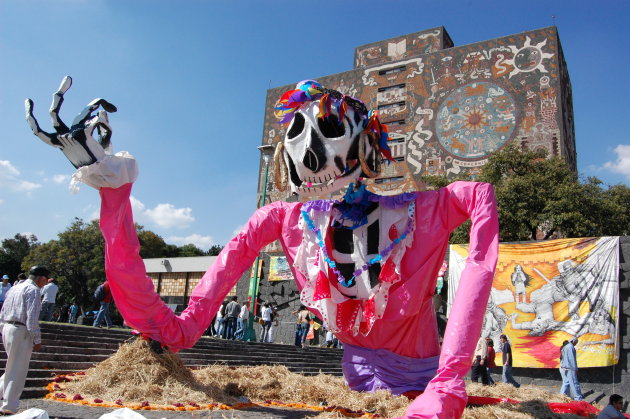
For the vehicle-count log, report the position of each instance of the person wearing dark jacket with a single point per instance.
(103, 313)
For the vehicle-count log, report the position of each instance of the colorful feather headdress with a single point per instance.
(310, 90)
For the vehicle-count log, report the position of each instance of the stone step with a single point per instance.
(272, 351)
(241, 351)
(112, 342)
(70, 348)
(594, 397)
(48, 373)
(33, 393)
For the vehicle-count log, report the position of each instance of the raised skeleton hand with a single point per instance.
(76, 142)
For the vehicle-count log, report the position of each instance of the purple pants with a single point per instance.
(374, 369)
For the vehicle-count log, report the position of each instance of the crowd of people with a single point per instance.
(232, 321)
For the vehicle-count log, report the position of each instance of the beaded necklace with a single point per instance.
(347, 283)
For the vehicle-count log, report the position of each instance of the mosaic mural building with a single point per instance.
(448, 108)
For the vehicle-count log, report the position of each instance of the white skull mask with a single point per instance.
(321, 155)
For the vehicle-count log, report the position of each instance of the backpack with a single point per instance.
(99, 293)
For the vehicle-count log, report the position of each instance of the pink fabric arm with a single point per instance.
(134, 293)
(445, 396)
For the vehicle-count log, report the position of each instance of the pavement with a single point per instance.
(76, 411)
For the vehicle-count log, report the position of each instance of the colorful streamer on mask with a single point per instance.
(381, 131)
(292, 100)
(311, 90)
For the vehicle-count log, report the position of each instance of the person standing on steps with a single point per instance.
(267, 314)
(4, 288)
(232, 311)
(49, 296)
(104, 296)
(20, 335)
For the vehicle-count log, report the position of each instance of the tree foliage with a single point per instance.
(13, 252)
(215, 250)
(190, 249)
(76, 259)
(154, 246)
(542, 198)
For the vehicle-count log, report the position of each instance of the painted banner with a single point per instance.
(547, 292)
(279, 269)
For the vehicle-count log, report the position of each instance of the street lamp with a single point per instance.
(252, 298)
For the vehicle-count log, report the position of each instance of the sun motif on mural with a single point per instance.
(528, 58)
(475, 120)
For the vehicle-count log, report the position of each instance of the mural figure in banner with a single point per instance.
(520, 280)
(494, 321)
(571, 286)
(366, 264)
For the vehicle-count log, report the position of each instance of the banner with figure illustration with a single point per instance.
(550, 291)
(279, 269)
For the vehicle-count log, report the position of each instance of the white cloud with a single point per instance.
(202, 242)
(60, 178)
(10, 179)
(622, 163)
(163, 215)
(136, 206)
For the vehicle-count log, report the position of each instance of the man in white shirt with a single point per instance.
(20, 335)
(243, 322)
(4, 288)
(49, 295)
(480, 358)
(266, 316)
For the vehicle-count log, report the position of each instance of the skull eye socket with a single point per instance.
(330, 127)
(297, 126)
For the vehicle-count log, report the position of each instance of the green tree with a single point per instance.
(190, 250)
(531, 191)
(76, 259)
(214, 250)
(13, 252)
(618, 196)
(542, 198)
(154, 246)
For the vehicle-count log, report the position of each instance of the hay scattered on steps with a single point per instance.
(135, 374)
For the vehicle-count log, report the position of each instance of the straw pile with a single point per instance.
(135, 374)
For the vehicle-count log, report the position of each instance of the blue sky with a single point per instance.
(189, 79)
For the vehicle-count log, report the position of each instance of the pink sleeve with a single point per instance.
(133, 290)
(445, 396)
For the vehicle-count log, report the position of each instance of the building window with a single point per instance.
(381, 181)
(391, 106)
(390, 88)
(392, 70)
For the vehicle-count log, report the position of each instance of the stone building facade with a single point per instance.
(450, 107)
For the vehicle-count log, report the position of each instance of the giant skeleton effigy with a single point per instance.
(365, 264)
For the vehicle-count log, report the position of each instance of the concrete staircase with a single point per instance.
(69, 348)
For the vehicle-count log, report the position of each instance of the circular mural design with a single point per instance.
(475, 120)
